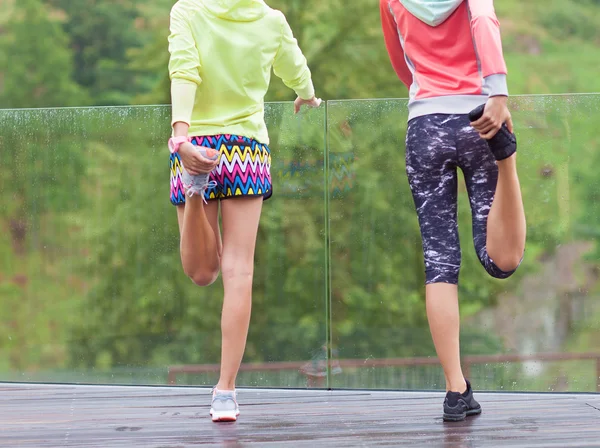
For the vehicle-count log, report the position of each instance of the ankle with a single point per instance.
(195, 199)
(459, 386)
(224, 386)
(508, 164)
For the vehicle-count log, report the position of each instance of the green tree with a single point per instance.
(35, 71)
(90, 274)
(102, 33)
(342, 42)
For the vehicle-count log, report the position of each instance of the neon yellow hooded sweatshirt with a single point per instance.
(222, 53)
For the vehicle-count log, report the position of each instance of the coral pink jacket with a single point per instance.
(451, 68)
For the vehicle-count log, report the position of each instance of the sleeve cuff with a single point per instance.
(183, 96)
(182, 77)
(308, 92)
(495, 85)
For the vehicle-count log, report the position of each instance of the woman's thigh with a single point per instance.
(241, 217)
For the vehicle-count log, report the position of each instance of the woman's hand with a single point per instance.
(313, 102)
(194, 163)
(494, 116)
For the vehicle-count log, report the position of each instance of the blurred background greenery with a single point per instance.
(90, 284)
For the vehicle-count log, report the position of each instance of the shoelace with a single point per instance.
(210, 184)
(224, 397)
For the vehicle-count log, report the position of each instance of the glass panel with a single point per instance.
(91, 283)
(538, 330)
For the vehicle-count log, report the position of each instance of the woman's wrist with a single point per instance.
(180, 129)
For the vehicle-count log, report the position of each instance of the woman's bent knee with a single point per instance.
(203, 278)
(508, 265)
(502, 268)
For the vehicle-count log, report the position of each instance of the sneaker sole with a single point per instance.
(461, 417)
(224, 416)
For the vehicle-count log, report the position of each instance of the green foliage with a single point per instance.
(41, 185)
(90, 274)
(36, 70)
(102, 35)
(141, 309)
(572, 19)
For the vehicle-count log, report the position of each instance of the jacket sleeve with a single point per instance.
(290, 64)
(184, 66)
(485, 29)
(393, 45)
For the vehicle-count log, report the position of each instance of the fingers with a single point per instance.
(486, 125)
(205, 164)
(488, 128)
(478, 124)
(195, 163)
(195, 170)
(489, 134)
(315, 102)
(210, 152)
(489, 131)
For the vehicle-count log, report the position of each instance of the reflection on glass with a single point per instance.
(92, 290)
(91, 283)
(540, 330)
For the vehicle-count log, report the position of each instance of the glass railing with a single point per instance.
(91, 288)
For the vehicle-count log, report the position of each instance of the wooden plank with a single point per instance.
(160, 417)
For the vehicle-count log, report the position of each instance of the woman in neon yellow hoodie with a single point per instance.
(222, 54)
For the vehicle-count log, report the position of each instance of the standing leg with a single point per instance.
(444, 323)
(240, 227)
(431, 160)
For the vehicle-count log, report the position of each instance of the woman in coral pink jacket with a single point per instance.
(449, 55)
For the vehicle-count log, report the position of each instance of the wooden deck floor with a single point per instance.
(160, 417)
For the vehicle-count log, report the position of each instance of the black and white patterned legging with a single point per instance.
(435, 146)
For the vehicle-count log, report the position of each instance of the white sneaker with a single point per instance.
(224, 406)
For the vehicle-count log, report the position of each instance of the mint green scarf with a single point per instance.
(432, 12)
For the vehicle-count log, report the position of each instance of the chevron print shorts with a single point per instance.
(244, 169)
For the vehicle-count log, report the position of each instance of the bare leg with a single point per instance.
(506, 227)
(200, 240)
(444, 324)
(431, 160)
(240, 227)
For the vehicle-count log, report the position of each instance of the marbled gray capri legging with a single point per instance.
(435, 146)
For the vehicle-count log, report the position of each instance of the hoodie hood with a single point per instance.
(432, 12)
(236, 10)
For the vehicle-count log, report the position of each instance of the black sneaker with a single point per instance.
(504, 143)
(458, 406)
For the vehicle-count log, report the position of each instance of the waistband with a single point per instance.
(218, 140)
(451, 104)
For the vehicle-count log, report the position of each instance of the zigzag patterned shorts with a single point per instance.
(244, 169)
